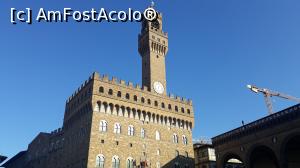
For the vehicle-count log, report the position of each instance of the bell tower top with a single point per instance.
(153, 47)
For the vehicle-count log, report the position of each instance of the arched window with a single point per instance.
(182, 109)
(142, 133)
(117, 128)
(130, 130)
(162, 105)
(155, 103)
(149, 101)
(175, 138)
(130, 163)
(169, 107)
(127, 96)
(101, 89)
(135, 98)
(176, 108)
(103, 126)
(157, 135)
(119, 94)
(143, 100)
(100, 161)
(110, 92)
(188, 111)
(184, 140)
(115, 162)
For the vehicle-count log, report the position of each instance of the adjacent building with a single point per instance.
(205, 156)
(270, 142)
(112, 123)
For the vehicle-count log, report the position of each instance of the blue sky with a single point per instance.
(216, 48)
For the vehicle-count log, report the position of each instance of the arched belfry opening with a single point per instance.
(292, 153)
(263, 157)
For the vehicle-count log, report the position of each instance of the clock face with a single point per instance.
(158, 87)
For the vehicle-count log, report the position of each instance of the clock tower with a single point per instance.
(153, 47)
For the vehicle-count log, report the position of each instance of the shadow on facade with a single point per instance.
(180, 162)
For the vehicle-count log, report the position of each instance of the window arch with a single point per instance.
(117, 128)
(100, 161)
(130, 162)
(182, 109)
(162, 105)
(155, 103)
(101, 89)
(184, 140)
(110, 92)
(130, 130)
(135, 98)
(143, 100)
(115, 162)
(142, 133)
(169, 107)
(148, 101)
(103, 126)
(127, 96)
(176, 108)
(119, 94)
(157, 135)
(175, 138)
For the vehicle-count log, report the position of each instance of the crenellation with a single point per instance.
(105, 78)
(96, 75)
(130, 84)
(115, 80)
(137, 86)
(122, 82)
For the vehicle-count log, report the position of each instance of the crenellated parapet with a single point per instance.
(112, 87)
(137, 87)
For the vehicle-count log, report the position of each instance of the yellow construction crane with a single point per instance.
(269, 93)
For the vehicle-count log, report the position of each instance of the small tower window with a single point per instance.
(182, 110)
(110, 92)
(135, 98)
(155, 103)
(176, 108)
(143, 100)
(169, 107)
(101, 89)
(162, 105)
(188, 111)
(149, 101)
(127, 96)
(119, 94)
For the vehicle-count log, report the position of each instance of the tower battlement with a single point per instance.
(127, 84)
